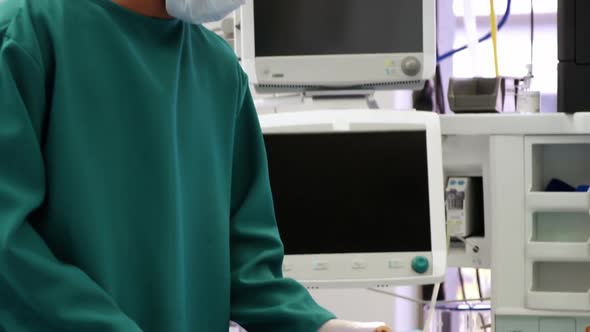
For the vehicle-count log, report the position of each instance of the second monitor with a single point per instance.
(301, 45)
(358, 196)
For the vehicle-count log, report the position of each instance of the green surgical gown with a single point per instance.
(134, 194)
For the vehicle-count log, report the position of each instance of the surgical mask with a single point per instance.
(201, 11)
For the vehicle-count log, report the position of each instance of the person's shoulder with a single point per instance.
(12, 9)
(9, 9)
(215, 46)
(221, 60)
(218, 56)
(22, 16)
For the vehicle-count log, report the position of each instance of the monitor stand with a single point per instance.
(318, 100)
(343, 99)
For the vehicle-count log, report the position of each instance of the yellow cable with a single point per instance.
(494, 27)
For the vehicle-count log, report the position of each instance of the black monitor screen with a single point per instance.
(350, 192)
(332, 27)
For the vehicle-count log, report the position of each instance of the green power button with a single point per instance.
(420, 264)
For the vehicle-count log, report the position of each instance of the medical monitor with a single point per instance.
(296, 45)
(358, 196)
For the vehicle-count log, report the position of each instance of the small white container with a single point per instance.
(528, 102)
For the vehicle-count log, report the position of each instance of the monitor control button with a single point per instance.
(420, 264)
(395, 264)
(320, 266)
(411, 66)
(359, 265)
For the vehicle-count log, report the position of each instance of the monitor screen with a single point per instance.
(344, 193)
(335, 27)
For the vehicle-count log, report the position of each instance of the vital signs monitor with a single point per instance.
(358, 196)
(302, 45)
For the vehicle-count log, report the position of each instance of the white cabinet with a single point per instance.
(539, 240)
(557, 223)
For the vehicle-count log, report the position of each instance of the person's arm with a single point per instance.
(261, 299)
(37, 291)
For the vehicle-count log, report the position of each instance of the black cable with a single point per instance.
(439, 91)
(422, 99)
(479, 290)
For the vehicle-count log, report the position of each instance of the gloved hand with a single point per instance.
(337, 325)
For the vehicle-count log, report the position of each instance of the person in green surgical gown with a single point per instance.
(134, 194)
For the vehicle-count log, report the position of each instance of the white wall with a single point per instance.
(394, 100)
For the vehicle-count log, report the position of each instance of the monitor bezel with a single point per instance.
(300, 267)
(335, 71)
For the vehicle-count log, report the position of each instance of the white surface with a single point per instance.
(519, 311)
(556, 252)
(338, 70)
(508, 220)
(337, 271)
(559, 301)
(516, 124)
(386, 100)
